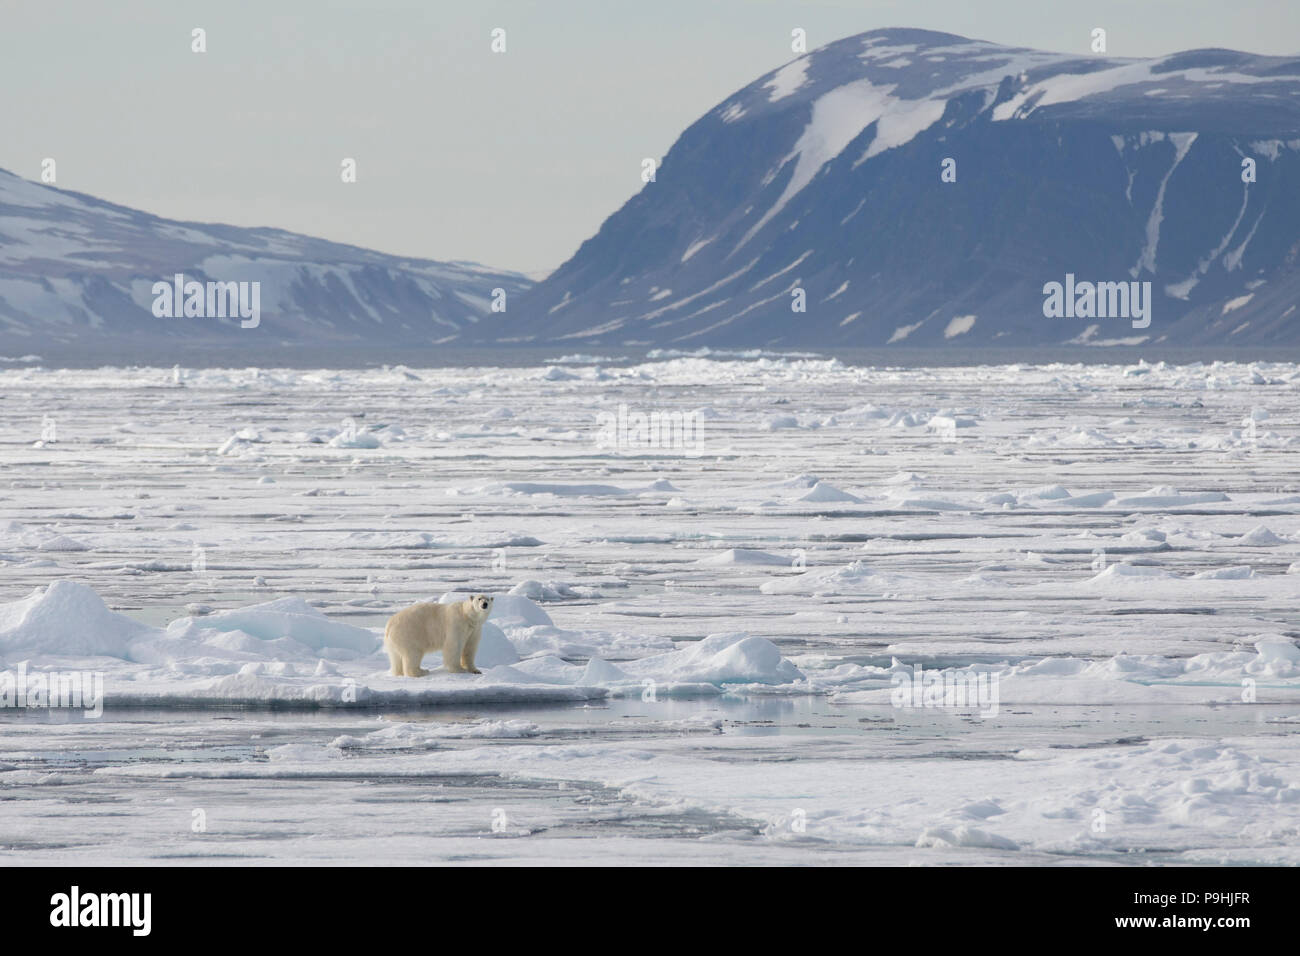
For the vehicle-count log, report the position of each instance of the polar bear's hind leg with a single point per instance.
(411, 665)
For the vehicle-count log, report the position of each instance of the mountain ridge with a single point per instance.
(76, 270)
(1105, 168)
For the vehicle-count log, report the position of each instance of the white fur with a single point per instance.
(455, 629)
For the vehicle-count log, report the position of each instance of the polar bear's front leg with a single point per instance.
(452, 648)
(471, 649)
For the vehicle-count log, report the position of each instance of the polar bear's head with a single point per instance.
(480, 606)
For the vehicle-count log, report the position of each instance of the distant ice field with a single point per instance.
(714, 575)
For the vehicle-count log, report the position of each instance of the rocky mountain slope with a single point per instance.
(826, 176)
(78, 271)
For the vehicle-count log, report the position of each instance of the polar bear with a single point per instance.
(455, 629)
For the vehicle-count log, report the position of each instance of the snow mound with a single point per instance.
(822, 492)
(1145, 536)
(1276, 652)
(1047, 493)
(852, 578)
(66, 619)
(1126, 573)
(798, 481)
(288, 617)
(1261, 537)
(356, 439)
(16, 535)
(494, 648)
(548, 591)
(779, 422)
(1240, 572)
(743, 556)
(963, 836)
(720, 659)
(601, 672)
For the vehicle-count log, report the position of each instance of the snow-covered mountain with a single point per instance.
(826, 176)
(76, 271)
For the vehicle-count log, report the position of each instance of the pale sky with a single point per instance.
(508, 159)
